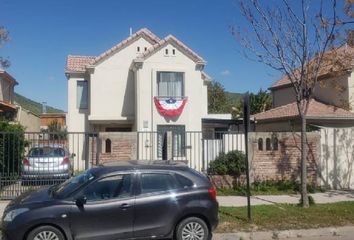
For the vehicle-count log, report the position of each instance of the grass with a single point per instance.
(268, 188)
(285, 216)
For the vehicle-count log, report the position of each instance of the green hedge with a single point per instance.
(232, 163)
(12, 144)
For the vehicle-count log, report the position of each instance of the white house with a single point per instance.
(142, 84)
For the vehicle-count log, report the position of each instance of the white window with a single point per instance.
(82, 95)
(170, 84)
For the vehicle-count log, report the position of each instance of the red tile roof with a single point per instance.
(344, 52)
(315, 110)
(78, 63)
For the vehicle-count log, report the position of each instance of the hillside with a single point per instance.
(234, 97)
(33, 106)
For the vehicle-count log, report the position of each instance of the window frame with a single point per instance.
(78, 104)
(158, 82)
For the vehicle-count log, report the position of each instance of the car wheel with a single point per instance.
(45, 233)
(192, 228)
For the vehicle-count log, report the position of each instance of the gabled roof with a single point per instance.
(345, 52)
(79, 63)
(170, 39)
(144, 32)
(315, 110)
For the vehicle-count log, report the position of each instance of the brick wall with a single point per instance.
(283, 163)
(123, 146)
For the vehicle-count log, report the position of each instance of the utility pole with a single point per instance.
(246, 123)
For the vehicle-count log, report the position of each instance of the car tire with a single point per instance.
(43, 231)
(192, 225)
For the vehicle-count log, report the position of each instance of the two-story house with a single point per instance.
(142, 84)
(332, 104)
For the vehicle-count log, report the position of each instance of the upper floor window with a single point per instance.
(170, 84)
(82, 95)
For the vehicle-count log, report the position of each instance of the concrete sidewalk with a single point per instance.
(327, 197)
(331, 233)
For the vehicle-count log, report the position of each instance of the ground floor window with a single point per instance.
(178, 140)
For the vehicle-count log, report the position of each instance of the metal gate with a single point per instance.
(33, 160)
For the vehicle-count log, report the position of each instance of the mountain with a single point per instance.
(234, 97)
(33, 106)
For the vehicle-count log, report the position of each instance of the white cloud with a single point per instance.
(225, 72)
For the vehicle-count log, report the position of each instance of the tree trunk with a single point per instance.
(304, 196)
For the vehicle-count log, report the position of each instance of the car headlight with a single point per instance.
(14, 213)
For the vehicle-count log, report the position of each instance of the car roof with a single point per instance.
(52, 145)
(134, 165)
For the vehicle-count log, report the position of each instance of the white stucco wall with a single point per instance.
(112, 85)
(76, 118)
(195, 89)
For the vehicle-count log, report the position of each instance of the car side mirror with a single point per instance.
(81, 201)
(73, 155)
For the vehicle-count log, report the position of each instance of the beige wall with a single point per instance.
(30, 121)
(351, 90)
(334, 91)
(6, 90)
(195, 89)
(112, 85)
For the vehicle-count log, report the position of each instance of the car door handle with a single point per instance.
(125, 206)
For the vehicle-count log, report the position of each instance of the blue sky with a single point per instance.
(44, 32)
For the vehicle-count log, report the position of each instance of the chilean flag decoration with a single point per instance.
(170, 107)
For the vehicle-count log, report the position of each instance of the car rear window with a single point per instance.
(183, 181)
(46, 152)
(157, 182)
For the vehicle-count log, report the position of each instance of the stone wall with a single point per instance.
(282, 162)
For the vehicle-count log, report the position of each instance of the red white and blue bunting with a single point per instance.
(170, 107)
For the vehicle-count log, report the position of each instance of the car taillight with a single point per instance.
(25, 162)
(65, 161)
(212, 192)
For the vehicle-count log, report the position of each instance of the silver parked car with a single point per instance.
(43, 162)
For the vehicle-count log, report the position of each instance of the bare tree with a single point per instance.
(4, 37)
(303, 43)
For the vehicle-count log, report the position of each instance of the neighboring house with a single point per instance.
(48, 118)
(7, 85)
(333, 103)
(142, 84)
(12, 111)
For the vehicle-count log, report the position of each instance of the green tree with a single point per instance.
(4, 37)
(259, 102)
(300, 43)
(218, 101)
(56, 131)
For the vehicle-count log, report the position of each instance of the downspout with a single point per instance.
(152, 116)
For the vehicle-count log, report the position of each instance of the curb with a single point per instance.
(319, 232)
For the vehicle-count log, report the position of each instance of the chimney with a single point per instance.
(130, 31)
(44, 107)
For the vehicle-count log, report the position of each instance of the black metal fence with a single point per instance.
(33, 160)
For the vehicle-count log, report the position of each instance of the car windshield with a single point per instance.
(46, 152)
(64, 189)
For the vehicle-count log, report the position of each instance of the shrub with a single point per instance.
(232, 163)
(12, 144)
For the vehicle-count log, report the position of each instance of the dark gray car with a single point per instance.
(130, 201)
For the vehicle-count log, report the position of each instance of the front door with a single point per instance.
(108, 212)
